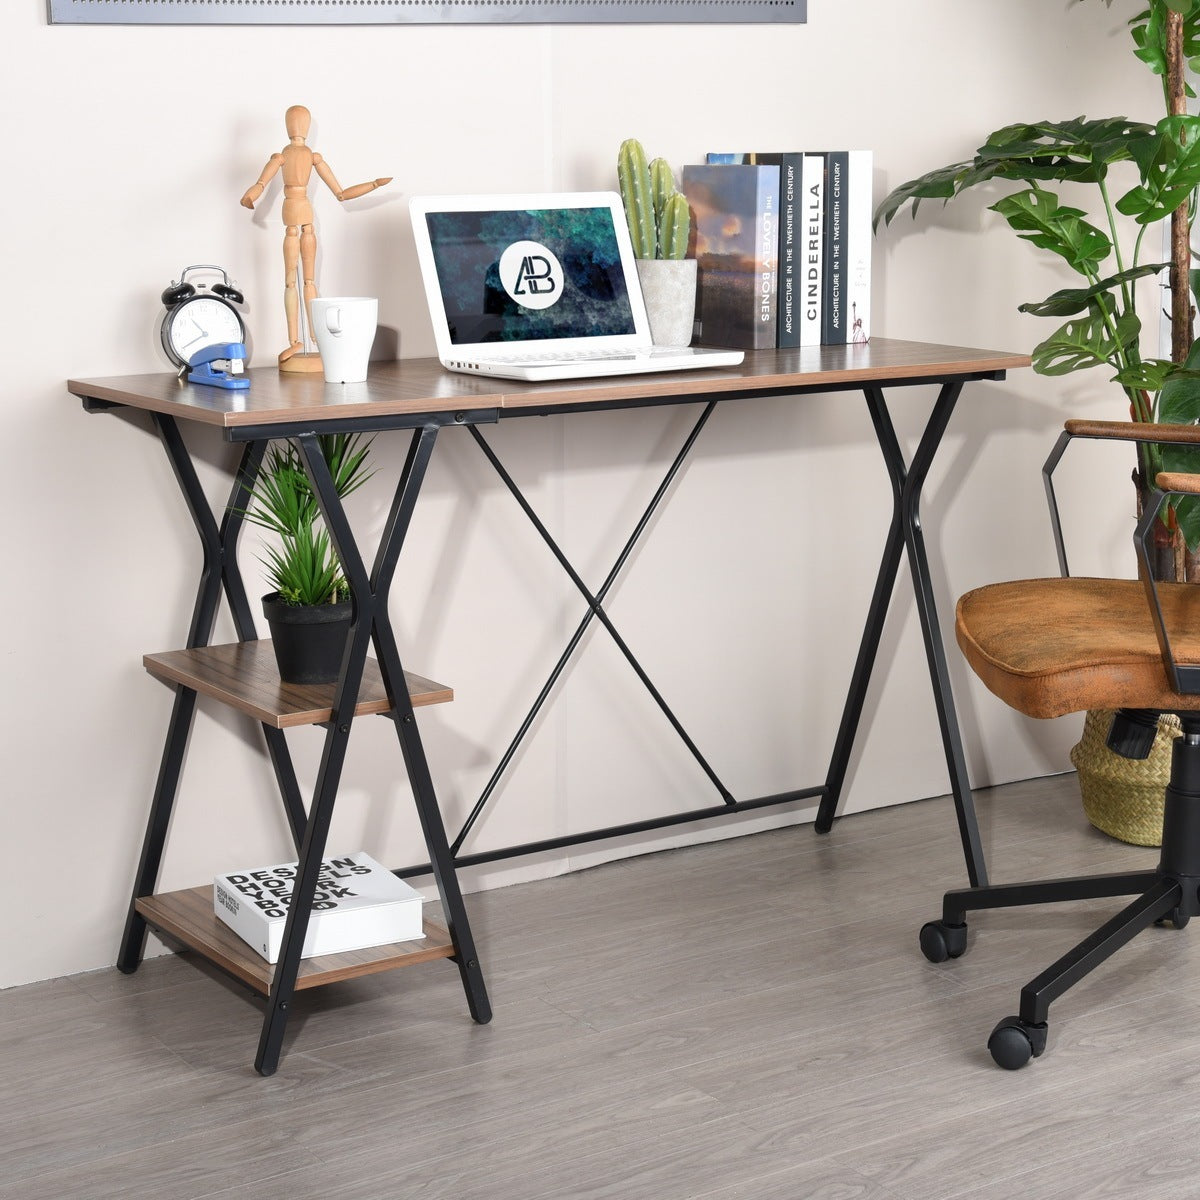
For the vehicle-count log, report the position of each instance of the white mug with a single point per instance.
(344, 327)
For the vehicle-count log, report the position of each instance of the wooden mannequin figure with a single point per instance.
(297, 162)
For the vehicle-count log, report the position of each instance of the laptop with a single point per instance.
(540, 287)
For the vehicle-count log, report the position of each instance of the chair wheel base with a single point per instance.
(1014, 1042)
(940, 941)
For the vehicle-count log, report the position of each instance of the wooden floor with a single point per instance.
(745, 1019)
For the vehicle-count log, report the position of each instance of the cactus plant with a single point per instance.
(659, 220)
(674, 227)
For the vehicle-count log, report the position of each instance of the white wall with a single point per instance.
(124, 153)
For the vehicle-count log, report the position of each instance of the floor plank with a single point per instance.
(743, 1019)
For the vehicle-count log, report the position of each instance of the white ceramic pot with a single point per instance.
(669, 290)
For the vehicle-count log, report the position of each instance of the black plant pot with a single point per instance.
(309, 639)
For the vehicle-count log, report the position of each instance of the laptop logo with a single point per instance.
(531, 274)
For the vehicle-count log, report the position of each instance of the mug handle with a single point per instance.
(333, 320)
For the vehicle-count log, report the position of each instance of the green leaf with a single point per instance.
(1069, 301)
(1145, 375)
(1078, 149)
(1187, 508)
(1084, 343)
(304, 567)
(1149, 34)
(1179, 404)
(1170, 168)
(1180, 458)
(1038, 217)
(345, 454)
(1179, 399)
(942, 184)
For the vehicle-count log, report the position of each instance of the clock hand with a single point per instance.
(200, 333)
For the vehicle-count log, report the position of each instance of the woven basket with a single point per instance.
(1123, 797)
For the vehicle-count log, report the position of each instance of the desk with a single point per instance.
(418, 396)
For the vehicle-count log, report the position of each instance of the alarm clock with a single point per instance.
(199, 315)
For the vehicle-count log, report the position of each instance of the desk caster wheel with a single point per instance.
(1014, 1042)
(940, 941)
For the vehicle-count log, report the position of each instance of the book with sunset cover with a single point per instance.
(735, 241)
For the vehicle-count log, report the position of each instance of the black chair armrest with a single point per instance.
(1125, 431)
(1184, 677)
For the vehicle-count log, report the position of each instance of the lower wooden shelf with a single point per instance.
(188, 916)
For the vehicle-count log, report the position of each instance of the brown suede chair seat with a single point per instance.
(1053, 646)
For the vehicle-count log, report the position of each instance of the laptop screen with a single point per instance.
(530, 274)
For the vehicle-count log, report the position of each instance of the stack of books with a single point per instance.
(783, 246)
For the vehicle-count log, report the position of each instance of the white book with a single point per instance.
(857, 290)
(357, 904)
(809, 260)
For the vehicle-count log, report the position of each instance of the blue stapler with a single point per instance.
(231, 357)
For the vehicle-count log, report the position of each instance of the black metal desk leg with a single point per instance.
(370, 619)
(220, 570)
(440, 860)
(935, 650)
(133, 940)
(440, 857)
(345, 697)
(204, 612)
(907, 483)
(881, 600)
(312, 850)
(243, 621)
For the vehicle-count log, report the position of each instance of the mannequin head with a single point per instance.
(297, 120)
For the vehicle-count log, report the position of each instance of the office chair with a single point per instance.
(1048, 647)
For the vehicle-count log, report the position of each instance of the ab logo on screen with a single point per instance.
(531, 274)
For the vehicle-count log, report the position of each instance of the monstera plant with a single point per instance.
(1140, 174)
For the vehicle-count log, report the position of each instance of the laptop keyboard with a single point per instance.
(559, 356)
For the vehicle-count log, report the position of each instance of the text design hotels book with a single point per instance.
(735, 215)
(357, 904)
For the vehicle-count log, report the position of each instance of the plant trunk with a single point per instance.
(1170, 559)
(1181, 295)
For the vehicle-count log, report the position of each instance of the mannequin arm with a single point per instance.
(255, 190)
(359, 189)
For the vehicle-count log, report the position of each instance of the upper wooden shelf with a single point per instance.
(244, 676)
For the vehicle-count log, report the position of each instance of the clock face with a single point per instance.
(199, 322)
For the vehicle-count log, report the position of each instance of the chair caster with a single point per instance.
(1176, 917)
(1014, 1042)
(940, 941)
